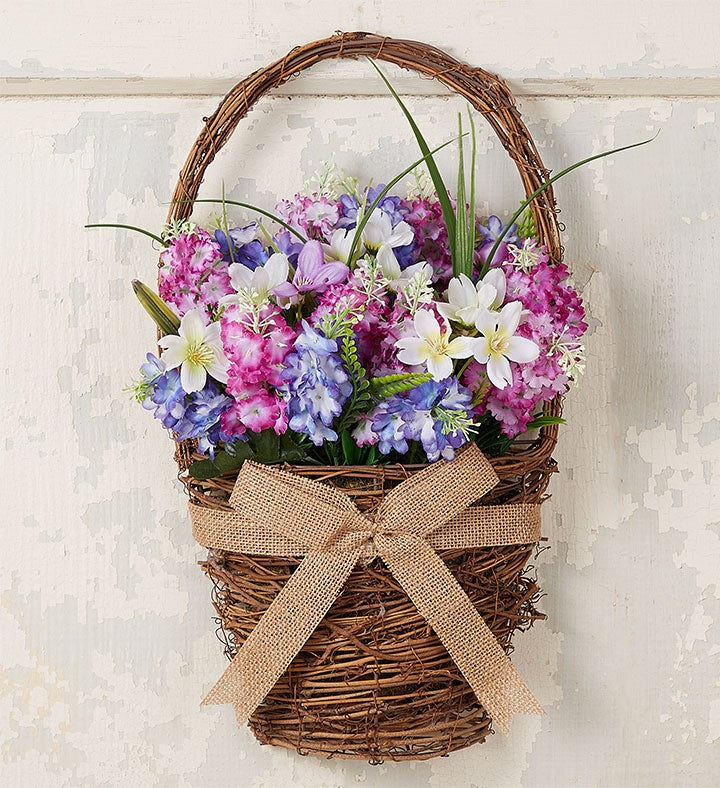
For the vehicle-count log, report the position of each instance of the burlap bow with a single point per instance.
(279, 513)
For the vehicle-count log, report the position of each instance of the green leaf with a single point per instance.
(461, 261)
(166, 320)
(471, 210)
(490, 439)
(440, 188)
(290, 451)
(131, 227)
(388, 385)
(545, 421)
(549, 183)
(223, 463)
(266, 445)
(350, 449)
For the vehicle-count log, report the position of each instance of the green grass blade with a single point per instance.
(549, 183)
(440, 188)
(460, 258)
(545, 421)
(130, 227)
(471, 212)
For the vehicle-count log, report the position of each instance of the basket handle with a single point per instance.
(484, 91)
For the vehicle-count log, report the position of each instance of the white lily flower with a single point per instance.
(466, 301)
(198, 351)
(498, 346)
(388, 264)
(379, 232)
(396, 277)
(496, 277)
(255, 286)
(340, 244)
(432, 346)
(380, 237)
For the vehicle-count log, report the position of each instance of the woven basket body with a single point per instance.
(374, 682)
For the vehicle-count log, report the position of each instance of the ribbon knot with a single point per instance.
(279, 513)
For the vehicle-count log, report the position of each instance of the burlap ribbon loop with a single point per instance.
(280, 513)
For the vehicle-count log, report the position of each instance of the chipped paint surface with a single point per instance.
(106, 635)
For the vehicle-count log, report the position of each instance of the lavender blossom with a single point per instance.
(313, 274)
(316, 385)
(437, 414)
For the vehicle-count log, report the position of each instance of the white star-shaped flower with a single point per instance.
(197, 351)
(433, 346)
(498, 344)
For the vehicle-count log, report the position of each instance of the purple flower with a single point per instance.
(437, 414)
(241, 246)
(313, 274)
(289, 247)
(316, 385)
(392, 206)
(491, 232)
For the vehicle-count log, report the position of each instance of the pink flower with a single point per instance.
(193, 274)
(315, 216)
(257, 410)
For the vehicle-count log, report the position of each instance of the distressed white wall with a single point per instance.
(106, 638)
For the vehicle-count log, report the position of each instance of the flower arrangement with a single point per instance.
(361, 326)
(337, 343)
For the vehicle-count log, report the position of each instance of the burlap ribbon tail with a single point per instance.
(279, 513)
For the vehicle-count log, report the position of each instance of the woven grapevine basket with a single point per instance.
(373, 681)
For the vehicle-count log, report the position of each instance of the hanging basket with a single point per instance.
(373, 680)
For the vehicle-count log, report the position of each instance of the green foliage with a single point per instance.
(464, 256)
(489, 437)
(265, 447)
(389, 385)
(526, 224)
(166, 320)
(493, 442)
(545, 421)
(360, 401)
(351, 451)
(462, 262)
(130, 227)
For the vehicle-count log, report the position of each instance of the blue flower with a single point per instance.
(491, 232)
(239, 245)
(315, 385)
(437, 414)
(189, 416)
